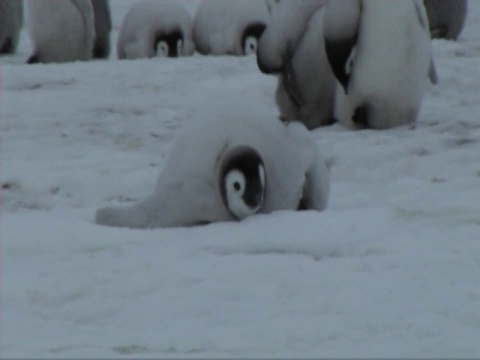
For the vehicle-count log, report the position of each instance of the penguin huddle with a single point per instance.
(363, 63)
(79, 30)
(251, 163)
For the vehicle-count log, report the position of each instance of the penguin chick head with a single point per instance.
(168, 44)
(242, 181)
(250, 37)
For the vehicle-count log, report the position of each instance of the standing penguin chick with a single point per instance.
(155, 28)
(103, 27)
(446, 17)
(306, 87)
(381, 54)
(61, 31)
(250, 163)
(11, 21)
(229, 27)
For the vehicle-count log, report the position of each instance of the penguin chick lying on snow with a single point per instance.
(228, 165)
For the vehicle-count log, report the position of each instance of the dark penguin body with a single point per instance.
(103, 27)
(11, 22)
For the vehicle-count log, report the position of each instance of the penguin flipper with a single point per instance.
(88, 18)
(423, 20)
(432, 72)
(342, 22)
(316, 188)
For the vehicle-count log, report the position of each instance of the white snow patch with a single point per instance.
(390, 269)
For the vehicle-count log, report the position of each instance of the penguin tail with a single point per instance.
(133, 217)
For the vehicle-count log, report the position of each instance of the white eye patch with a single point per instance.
(235, 185)
(251, 45)
(162, 49)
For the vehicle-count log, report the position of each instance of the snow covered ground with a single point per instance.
(391, 269)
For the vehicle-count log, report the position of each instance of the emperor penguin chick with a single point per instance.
(61, 31)
(249, 163)
(229, 27)
(155, 28)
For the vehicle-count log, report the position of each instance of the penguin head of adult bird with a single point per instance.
(250, 37)
(242, 181)
(168, 44)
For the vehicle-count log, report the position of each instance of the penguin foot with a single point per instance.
(7, 47)
(34, 59)
(99, 53)
(360, 117)
(439, 32)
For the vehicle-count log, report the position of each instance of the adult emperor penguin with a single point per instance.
(251, 163)
(61, 31)
(103, 27)
(306, 85)
(446, 17)
(155, 28)
(286, 28)
(381, 54)
(229, 27)
(11, 21)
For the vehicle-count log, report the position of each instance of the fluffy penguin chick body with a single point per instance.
(229, 27)
(189, 188)
(306, 88)
(155, 28)
(11, 21)
(381, 54)
(446, 17)
(61, 31)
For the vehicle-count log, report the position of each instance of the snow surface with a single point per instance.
(392, 268)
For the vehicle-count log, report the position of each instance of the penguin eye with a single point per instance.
(251, 45)
(237, 186)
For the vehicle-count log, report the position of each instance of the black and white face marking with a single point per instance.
(169, 44)
(242, 181)
(250, 37)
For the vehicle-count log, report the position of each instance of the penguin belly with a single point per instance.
(390, 69)
(61, 31)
